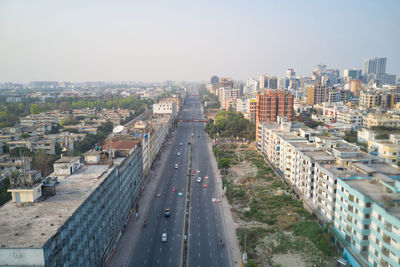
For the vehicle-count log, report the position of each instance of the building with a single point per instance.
(375, 65)
(67, 165)
(247, 106)
(385, 149)
(355, 87)
(350, 116)
(214, 80)
(317, 94)
(226, 93)
(273, 103)
(268, 82)
(352, 74)
(367, 214)
(74, 220)
(387, 120)
(165, 108)
(225, 82)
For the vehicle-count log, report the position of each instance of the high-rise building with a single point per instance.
(317, 94)
(290, 73)
(273, 103)
(375, 65)
(268, 82)
(250, 86)
(355, 87)
(214, 80)
(225, 82)
(351, 74)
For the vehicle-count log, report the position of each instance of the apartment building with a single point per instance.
(386, 120)
(349, 116)
(34, 145)
(367, 214)
(273, 103)
(226, 93)
(78, 220)
(317, 94)
(165, 108)
(247, 106)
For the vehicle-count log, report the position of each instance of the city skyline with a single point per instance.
(151, 42)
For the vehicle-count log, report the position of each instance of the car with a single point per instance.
(180, 144)
(204, 185)
(178, 154)
(180, 194)
(198, 179)
(176, 165)
(164, 237)
(206, 177)
(167, 212)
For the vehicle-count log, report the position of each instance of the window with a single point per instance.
(365, 237)
(368, 204)
(366, 226)
(379, 217)
(367, 216)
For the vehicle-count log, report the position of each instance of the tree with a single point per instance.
(59, 149)
(65, 106)
(43, 162)
(25, 135)
(35, 109)
(19, 152)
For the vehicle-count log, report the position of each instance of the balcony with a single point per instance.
(386, 239)
(388, 227)
(385, 251)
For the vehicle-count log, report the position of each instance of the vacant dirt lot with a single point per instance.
(275, 228)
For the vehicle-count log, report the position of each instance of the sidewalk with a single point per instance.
(229, 224)
(127, 243)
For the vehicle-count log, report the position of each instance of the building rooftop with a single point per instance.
(31, 226)
(320, 156)
(67, 159)
(374, 190)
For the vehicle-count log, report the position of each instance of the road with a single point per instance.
(206, 227)
(205, 223)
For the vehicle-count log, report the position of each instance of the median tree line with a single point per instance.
(230, 124)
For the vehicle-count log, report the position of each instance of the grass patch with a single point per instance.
(317, 235)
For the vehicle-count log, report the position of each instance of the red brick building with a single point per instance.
(273, 103)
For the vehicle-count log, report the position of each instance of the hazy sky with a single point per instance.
(78, 40)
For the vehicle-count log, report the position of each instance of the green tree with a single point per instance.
(20, 151)
(35, 109)
(43, 162)
(25, 135)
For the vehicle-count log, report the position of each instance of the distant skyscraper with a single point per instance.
(375, 65)
(214, 80)
(268, 81)
(290, 73)
(351, 74)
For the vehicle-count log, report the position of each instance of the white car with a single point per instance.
(178, 154)
(198, 179)
(180, 144)
(164, 237)
(176, 165)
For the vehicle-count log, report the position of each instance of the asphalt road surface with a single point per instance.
(205, 223)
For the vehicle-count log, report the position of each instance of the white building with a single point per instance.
(165, 108)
